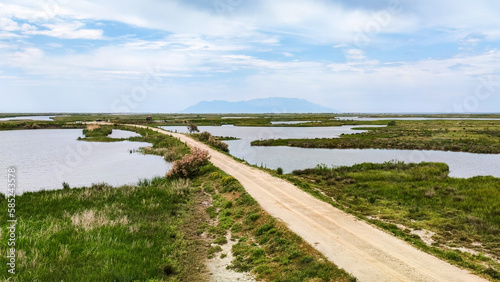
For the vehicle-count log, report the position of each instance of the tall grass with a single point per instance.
(462, 212)
(104, 233)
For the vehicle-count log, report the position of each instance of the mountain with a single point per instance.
(258, 106)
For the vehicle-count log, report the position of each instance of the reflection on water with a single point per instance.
(41, 118)
(46, 158)
(118, 133)
(461, 164)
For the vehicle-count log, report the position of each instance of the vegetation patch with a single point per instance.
(106, 233)
(263, 245)
(207, 138)
(463, 214)
(474, 136)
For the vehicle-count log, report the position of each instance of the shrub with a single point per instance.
(189, 165)
(211, 140)
(279, 170)
(204, 136)
(192, 127)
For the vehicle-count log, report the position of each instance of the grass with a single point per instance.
(153, 231)
(474, 136)
(402, 198)
(105, 233)
(20, 125)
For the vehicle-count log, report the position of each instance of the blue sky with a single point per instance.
(166, 55)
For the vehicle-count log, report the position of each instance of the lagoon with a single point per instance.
(38, 118)
(462, 165)
(46, 158)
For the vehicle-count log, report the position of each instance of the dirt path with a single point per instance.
(361, 249)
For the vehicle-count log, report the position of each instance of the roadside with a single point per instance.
(363, 250)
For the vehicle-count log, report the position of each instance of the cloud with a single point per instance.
(68, 30)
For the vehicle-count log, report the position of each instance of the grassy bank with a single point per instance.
(19, 125)
(262, 244)
(445, 135)
(106, 233)
(158, 230)
(409, 199)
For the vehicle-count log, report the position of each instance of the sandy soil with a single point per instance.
(361, 249)
(218, 266)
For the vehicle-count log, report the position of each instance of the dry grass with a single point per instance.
(91, 127)
(90, 219)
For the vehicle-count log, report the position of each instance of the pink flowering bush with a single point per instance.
(189, 165)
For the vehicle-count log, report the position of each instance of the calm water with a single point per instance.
(461, 164)
(46, 158)
(118, 133)
(293, 122)
(43, 118)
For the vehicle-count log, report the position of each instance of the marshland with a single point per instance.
(161, 228)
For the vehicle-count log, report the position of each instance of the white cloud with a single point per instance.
(68, 30)
(8, 24)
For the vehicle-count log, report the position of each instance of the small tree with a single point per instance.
(192, 127)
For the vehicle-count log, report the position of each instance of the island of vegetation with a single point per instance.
(473, 136)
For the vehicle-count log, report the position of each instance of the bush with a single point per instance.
(65, 185)
(211, 140)
(204, 136)
(279, 170)
(189, 166)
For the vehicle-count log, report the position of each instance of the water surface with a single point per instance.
(40, 118)
(462, 165)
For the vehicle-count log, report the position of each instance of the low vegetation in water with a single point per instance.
(20, 125)
(405, 198)
(474, 136)
(97, 133)
(215, 142)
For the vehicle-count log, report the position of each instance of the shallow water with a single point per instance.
(41, 118)
(463, 165)
(46, 158)
(118, 133)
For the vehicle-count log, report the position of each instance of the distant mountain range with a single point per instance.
(258, 106)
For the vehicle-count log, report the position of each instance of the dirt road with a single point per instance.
(361, 249)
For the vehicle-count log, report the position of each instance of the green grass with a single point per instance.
(104, 233)
(153, 231)
(461, 212)
(264, 245)
(474, 136)
(20, 125)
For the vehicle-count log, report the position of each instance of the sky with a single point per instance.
(377, 56)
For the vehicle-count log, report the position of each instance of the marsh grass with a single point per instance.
(461, 212)
(264, 245)
(105, 233)
(474, 136)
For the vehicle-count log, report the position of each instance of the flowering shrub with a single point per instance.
(189, 165)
